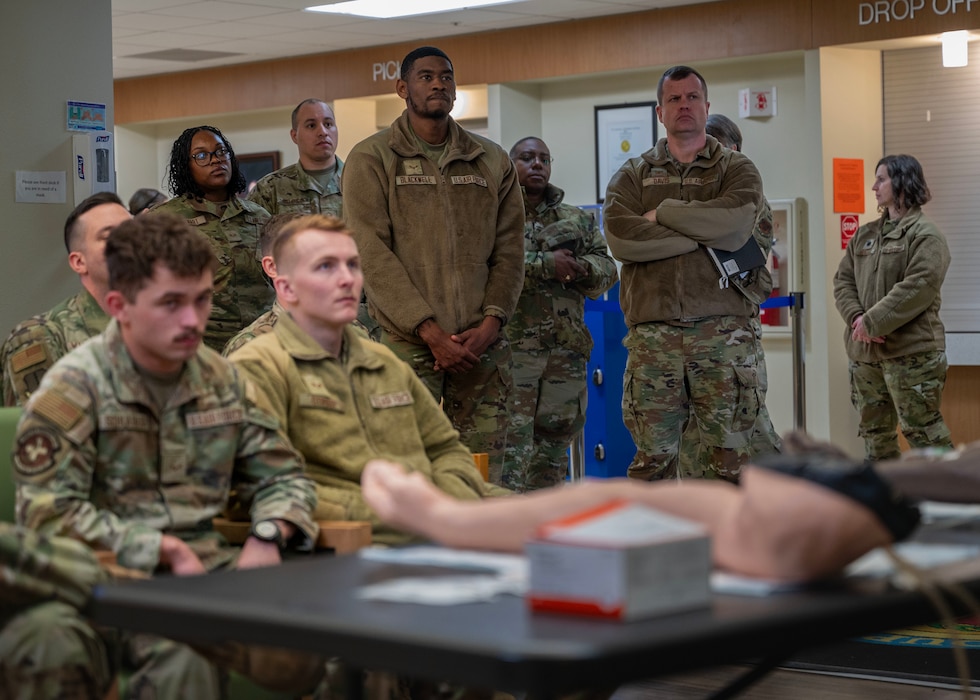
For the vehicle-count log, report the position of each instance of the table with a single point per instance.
(311, 605)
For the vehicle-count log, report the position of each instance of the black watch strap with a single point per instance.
(268, 531)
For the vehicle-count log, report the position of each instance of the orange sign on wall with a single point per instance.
(848, 185)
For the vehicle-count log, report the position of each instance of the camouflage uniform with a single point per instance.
(46, 649)
(550, 341)
(341, 412)
(260, 326)
(97, 460)
(892, 273)
(40, 341)
(692, 342)
(292, 189)
(241, 291)
(764, 438)
(441, 241)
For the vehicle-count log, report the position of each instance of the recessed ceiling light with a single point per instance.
(386, 9)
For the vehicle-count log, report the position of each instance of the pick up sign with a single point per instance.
(848, 227)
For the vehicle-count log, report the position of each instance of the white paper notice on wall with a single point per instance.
(40, 187)
(757, 102)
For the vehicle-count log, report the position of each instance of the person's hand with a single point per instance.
(179, 557)
(451, 356)
(478, 339)
(567, 268)
(257, 553)
(859, 334)
(651, 216)
(406, 500)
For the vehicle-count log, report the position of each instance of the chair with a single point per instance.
(8, 429)
(482, 462)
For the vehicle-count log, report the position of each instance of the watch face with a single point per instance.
(266, 530)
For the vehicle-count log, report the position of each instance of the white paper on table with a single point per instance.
(505, 574)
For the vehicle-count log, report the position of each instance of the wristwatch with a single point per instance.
(268, 531)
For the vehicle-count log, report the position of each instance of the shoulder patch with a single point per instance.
(35, 451)
(28, 357)
(57, 409)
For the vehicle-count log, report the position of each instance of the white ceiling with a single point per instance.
(260, 30)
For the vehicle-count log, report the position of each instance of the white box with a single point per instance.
(622, 561)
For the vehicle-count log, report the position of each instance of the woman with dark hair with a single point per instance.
(205, 180)
(888, 291)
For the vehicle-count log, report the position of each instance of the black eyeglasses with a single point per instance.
(531, 157)
(205, 157)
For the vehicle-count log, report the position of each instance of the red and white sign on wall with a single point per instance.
(848, 227)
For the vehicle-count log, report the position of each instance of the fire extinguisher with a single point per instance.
(770, 317)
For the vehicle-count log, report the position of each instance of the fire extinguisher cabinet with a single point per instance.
(608, 446)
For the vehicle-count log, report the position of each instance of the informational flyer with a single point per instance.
(40, 187)
(848, 185)
(85, 116)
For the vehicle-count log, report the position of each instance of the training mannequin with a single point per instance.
(801, 518)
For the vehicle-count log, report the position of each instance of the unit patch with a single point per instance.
(35, 452)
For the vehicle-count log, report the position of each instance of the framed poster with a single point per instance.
(255, 166)
(621, 132)
(786, 262)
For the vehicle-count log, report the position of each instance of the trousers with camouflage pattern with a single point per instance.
(902, 391)
(706, 369)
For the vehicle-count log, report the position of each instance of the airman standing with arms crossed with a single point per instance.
(691, 341)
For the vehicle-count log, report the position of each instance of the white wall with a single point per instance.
(515, 112)
(851, 127)
(46, 63)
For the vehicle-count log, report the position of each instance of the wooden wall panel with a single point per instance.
(840, 21)
(687, 34)
(961, 403)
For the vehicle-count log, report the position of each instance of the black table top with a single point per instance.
(311, 605)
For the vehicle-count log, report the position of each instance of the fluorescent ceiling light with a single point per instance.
(386, 9)
(955, 48)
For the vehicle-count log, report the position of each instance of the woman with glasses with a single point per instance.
(205, 179)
